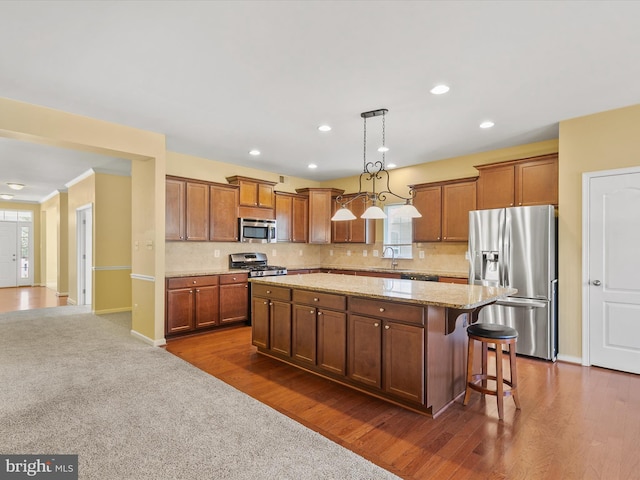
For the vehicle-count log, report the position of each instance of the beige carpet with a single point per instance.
(76, 383)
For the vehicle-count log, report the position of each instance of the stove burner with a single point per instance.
(256, 263)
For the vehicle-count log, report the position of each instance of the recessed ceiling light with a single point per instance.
(254, 152)
(487, 124)
(6, 196)
(391, 165)
(15, 186)
(313, 165)
(324, 128)
(383, 149)
(439, 89)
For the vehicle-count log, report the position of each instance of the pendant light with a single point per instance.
(371, 172)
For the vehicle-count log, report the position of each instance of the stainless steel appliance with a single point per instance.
(256, 230)
(256, 263)
(516, 247)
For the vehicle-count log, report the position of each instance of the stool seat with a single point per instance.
(498, 335)
(492, 330)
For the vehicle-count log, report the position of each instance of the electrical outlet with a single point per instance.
(364, 253)
(348, 253)
(216, 253)
(421, 253)
(376, 253)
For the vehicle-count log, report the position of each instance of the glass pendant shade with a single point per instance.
(373, 212)
(343, 214)
(408, 211)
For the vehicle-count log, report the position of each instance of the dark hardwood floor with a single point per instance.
(575, 423)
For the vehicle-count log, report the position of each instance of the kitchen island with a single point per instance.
(399, 340)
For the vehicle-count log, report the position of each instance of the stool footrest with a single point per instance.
(479, 388)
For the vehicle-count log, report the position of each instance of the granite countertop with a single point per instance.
(464, 297)
(440, 273)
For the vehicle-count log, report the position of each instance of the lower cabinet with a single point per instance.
(271, 319)
(205, 301)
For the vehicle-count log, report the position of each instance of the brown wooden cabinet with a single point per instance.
(223, 208)
(445, 208)
(303, 334)
(528, 181)
(292, 217)
(256, 198)
(332, 341)
(197, 207)
(359, 230)
(271, 319)
(320, 209)
(365, 350)
(192, 303)
(175, 209)
(234, 298)
(186, 210)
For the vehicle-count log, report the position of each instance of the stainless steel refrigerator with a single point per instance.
(516, 247)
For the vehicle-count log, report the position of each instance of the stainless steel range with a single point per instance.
(256, 263)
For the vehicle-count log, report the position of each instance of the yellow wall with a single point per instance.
(28, 122)
(80, 194)
(51, 214)
(604, 141)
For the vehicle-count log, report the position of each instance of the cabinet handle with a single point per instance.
(311, 311)
(234, 278)
(246, 286)
(316, 299)
(197, 290)
(271, 304)
(195, 281)
(265, 303)
(376, 324)
(381, 309)
(268, 291)
(190, 292)
(386, 327)
(319, 313)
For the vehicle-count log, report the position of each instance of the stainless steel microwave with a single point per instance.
(254, 230)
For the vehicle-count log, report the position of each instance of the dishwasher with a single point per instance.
(419, 277)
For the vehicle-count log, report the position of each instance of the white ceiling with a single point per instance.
(220, 78)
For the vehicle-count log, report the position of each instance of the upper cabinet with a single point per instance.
(529, 181)
(292, 217)
(320, 208)
(353, 231)
(445, 208)
(200, 211)
(256, 197)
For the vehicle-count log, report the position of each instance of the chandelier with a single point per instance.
(375, 172)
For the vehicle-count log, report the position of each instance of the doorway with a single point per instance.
(84, 231)
(16, 248)
(611, 284)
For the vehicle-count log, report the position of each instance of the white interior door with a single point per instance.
(8, 254)
(614, 271)
(84, 228)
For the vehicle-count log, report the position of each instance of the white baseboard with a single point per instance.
(71, 301)
(145, 339)
(62, 294)
(570, 359)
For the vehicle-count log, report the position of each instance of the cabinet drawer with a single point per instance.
(277, 293)
(325, 300)
(388, 310)
(185, 282)
(228, 278)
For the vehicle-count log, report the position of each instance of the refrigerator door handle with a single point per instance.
(501, 259)
(507, 249)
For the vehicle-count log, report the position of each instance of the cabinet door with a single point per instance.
(365, 350)
(265, 195)
(537, 182)
(332, 341)
(428, 228)
(496, 187)
(339, 230)
(207, 308)
(260, 322)
(304, 334)
(280, 334)
(299, 219)
(319, 216)
(248, 193)
(284, 212)
(360, 229)
(404, 373)
(234, 302)
(197, 212)
(175, 209)
(179, 310)
(223, 207)
(458, 199)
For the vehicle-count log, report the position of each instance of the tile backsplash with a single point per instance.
(202, 256)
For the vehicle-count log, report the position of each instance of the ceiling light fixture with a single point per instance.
(254, 152)
(439, 89)
(15, 186)
(373, 171)
(312, 165)
(6, 196)
(487, 124)
(324, 128)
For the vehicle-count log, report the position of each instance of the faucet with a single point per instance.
(394, 263)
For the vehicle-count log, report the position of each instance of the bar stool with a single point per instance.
(498, 335)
